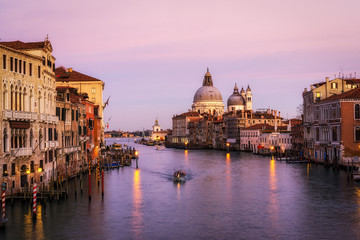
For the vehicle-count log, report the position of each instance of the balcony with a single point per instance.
(51, 144)
(84, 138)
(7, 114)
(54, 119)
(43, 117)
(34, 116)
(21, 152)
(71, 149)
(19, 115)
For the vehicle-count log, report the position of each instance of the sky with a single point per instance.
(153, 54)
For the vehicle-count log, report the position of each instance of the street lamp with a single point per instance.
(186, 143)
(40, 169)
(136, 158)
(228, 147)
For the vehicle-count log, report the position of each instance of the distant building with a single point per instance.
(158, 134)
(207, 126)
(265, 138)
(240, 101)
(180, 131)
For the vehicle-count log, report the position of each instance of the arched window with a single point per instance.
(12, 98)
(39, 102)
(31, 138)
(20, 100)
(5, 141)
(357, 111)
(30, 101)
(4, 97)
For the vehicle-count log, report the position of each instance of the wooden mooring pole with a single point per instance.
(89, 180)
(102, 183)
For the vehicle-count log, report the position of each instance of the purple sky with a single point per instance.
(152, 55)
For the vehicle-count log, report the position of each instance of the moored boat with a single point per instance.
(159, 147)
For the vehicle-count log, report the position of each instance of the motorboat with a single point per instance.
(159, 147)
(179, 176)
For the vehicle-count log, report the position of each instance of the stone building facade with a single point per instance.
(317, 93)
(28, 122)
(85, 84)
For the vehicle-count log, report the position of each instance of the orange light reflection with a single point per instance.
(137, 222)
(274, 203)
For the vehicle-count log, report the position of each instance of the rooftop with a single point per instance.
(69, 75)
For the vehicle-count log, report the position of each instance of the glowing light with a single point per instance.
(40, 169)
(136, 153)
(272, 147)
(27, 171)
(186, 143)
(227, 144)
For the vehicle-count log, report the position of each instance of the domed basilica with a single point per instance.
(240, 101)
(208, 99)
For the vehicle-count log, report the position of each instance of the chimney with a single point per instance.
(275, 112)
(69, 69)
(327, 79)
(272, 112)
(279, 114)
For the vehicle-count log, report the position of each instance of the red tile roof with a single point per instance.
(62, 75)
(352, 94)
(22, 46)
(264, 126)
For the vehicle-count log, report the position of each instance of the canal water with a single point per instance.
(226, 196)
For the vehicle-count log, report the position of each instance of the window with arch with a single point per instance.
(31, 138)
(357, 111)
(4, 97)
(357, 134)
(5, 141)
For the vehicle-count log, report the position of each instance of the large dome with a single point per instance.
(207, 99)
(207, 94)
(235, 100)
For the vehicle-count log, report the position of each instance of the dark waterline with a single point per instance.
(227, 196)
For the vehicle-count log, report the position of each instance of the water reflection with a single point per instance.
(34, 228)
(137, 219)
(274, 203)
(228, 172)
(186, 157)
(357, 194)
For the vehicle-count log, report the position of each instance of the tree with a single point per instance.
(299, 111)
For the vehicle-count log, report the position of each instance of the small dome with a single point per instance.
(235, 100)
(207, 94)
(242, 90)
(248, 89)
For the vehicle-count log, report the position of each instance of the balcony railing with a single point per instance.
(7, 114)
(51, 144)
(34, 116)
(21, 152)
(71, 149)
(19, 115)
(43, 117)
